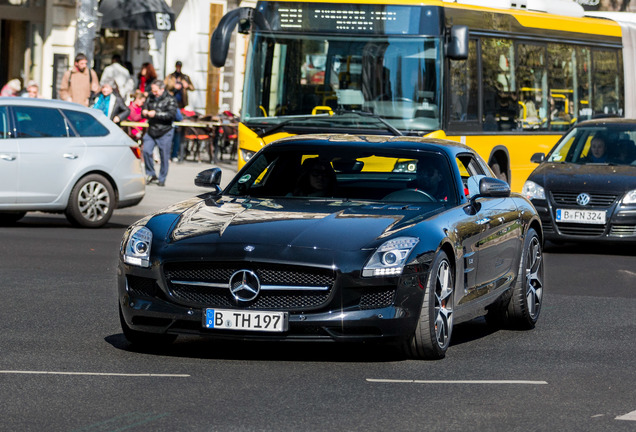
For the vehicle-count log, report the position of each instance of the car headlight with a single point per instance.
(630, 197)
(531, 190)
(246, 154)
(390, 257)
(137, 247)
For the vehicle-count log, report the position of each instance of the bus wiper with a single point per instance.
(282, 124)
(395, 131)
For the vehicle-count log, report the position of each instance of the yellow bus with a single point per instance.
(506, 77)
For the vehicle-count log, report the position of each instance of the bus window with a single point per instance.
(463, 98)
(583, 97)
(608, 86)
(532, 79)
(561, 60)
(499, 84)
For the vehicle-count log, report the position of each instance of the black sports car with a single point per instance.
(586, 187)
(345, 238)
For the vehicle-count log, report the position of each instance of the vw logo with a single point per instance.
(583, 199)
(244, 285)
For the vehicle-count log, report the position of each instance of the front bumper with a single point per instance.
(620, 226)
(148, 303)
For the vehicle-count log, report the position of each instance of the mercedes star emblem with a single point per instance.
(244, 285)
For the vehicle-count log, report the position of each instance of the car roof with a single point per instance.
(50, 103)
(605, 121)
(451, 148)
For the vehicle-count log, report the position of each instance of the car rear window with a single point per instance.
(85, 124)
(37, 122)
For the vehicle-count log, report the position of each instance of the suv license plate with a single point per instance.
(581, 216)
(228, 319)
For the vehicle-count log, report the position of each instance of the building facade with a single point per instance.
(39, 40)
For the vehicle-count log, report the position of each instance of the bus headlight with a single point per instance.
(531, 190)
(246, 154)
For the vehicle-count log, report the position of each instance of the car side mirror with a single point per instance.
(537, 158)
(489, 187)
(210, 178)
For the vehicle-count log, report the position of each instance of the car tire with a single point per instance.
(92, 202)
(433, 332)
(521, 307)
(10, 218)
(144, 339)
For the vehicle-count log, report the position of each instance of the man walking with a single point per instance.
(79, 82)
(161, 110)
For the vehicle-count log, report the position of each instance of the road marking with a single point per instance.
(95, 374)
(629, 416)
(457, 381)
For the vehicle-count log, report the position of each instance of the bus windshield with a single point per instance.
(295, 78)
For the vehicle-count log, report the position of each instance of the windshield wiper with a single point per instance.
(274, 128)
(395, 131)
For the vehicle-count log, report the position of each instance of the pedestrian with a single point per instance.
(79, 84)
(110, 103)
(179, 84)
(32, 89)
(117, 73)
(135, 114)
(12, 88)
(146, 75)
(161, 110)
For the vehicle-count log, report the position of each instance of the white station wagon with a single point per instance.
(59, 156)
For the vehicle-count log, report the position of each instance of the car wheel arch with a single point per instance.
(102, 173)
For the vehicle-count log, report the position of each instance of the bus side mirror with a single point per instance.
(457, 44)
(220, 41)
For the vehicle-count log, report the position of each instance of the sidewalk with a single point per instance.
(179, 186)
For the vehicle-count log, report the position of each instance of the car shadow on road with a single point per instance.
(589, 248)
(207, 348)
(38, 220)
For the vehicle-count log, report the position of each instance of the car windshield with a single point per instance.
(293, 79)
(604, 144)
(347, 173)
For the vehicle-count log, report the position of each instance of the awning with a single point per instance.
(144, 15)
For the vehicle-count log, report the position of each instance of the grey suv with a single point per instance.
(58, 156)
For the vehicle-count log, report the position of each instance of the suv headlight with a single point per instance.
(630, 197)
(390, 257)
(531, 190)
(137, 247)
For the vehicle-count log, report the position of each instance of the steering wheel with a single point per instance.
(415, 195)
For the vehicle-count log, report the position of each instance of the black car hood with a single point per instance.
(579, 178)
(317, 224)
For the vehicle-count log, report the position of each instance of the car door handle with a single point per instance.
(7, 157)
(70, 156)
(483, 221)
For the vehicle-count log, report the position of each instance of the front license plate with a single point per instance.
(581, 216)
(228, 319)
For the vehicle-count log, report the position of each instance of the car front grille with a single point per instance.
(582, 229)
(623, 231)
(377, 297)
(596, 199)
(301, 288)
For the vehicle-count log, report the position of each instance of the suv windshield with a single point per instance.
(301, 77)
(604, 144)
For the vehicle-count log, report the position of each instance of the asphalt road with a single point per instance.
(65, 366)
